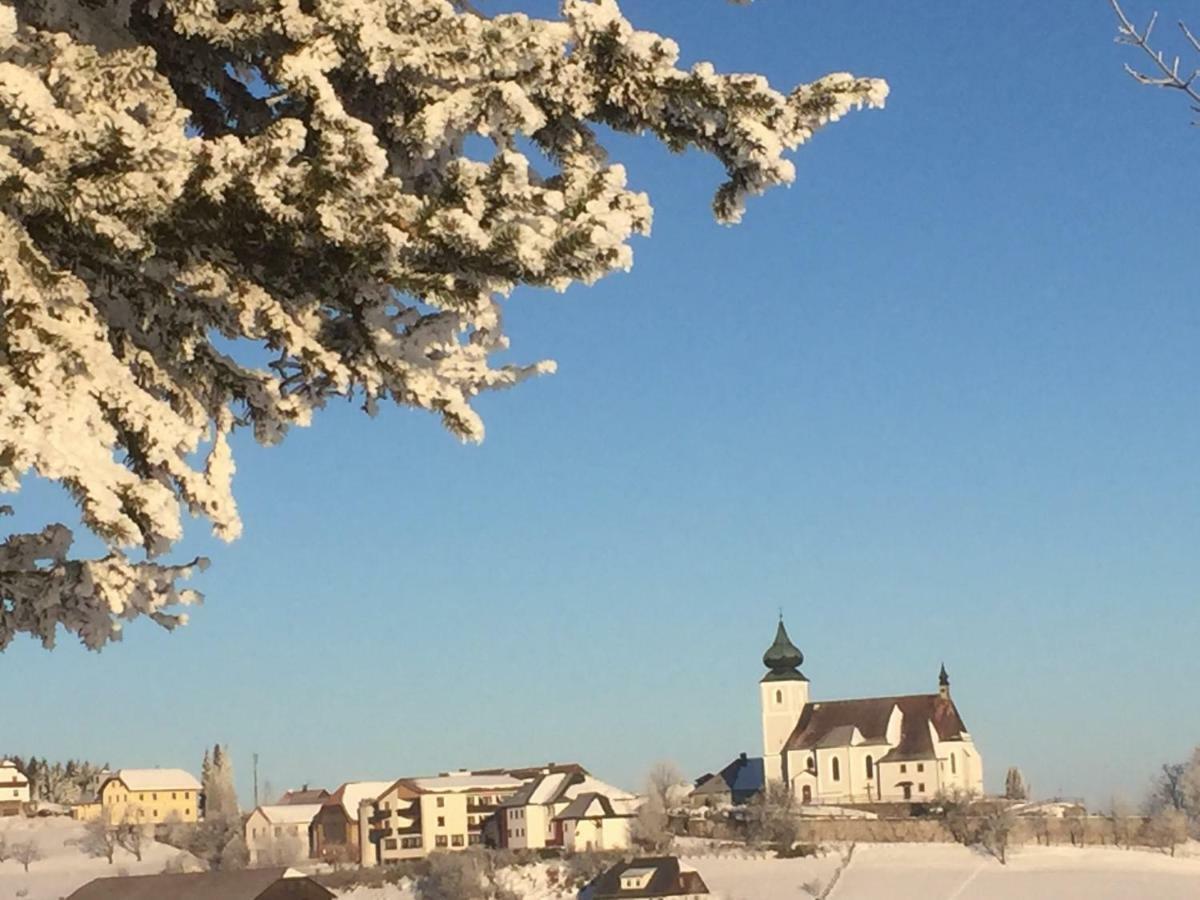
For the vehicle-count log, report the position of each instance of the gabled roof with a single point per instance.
(466, 781)
(304, 795)
(243, 884)
(289, 814)
(156, 779)
(592, 806)
(668, 880)
(745, 775)
(558, 787)
(822, 721)
(352, 793)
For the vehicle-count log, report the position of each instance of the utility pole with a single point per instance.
(256, 780)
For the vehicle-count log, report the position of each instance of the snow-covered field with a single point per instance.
(65, 867)
(875, 872)
(916, 872)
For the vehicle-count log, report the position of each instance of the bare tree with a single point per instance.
(1076, 829)
(1166, 829)
(26, 852)
(1015, 787)
(652, 828)
(131, 837)
(99, 839)
(773, 818)
(1162, 73)
(662, 782)
(1123, 824)
(995, 830)
(956, 816)
(1168, 792)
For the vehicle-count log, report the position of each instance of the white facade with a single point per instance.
(782, 703)
(14, 787)
(879, 749)
(278, 835)
(549, 812)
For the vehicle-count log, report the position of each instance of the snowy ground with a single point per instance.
(65, 867)
(917, 872)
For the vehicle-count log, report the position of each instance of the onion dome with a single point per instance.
(783, 657)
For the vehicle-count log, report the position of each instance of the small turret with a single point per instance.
(943, 683)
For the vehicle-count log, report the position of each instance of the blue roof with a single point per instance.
(745, 774)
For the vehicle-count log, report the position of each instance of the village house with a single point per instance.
(736, 784)
(238, 884)
(150, 796)
(14, 789)
(906, 747)
(279, 835)
(334, 834)
(569, 809)
(413, 817)
(649, 879)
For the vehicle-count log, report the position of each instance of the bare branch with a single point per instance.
(1127, 33)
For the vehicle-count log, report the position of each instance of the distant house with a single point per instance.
(652, 877)
(14, 789)
(736, 784)
(245, 884)
(303, 797)
(416, 816)
(334, 830)
(279, 835)
(150, 796)
(567, 809)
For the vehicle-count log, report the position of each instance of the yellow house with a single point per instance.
(150, 796)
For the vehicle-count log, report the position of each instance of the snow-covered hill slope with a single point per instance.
(65, 867)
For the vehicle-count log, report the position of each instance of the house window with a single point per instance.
(806, 794)
(921, 788)
(779, 696)
(154, 796)
(903, 768)
(440, 840)
(870, 767)
(837, 770)
(389, 844)
(278, 831)
(410, 843)
(920, 767)
(953, 765)
(474, 839)
(441, 801)
(457, 841)
(441, 821)
(173, 797)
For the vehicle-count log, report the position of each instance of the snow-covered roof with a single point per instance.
(290, 814)
(157, 779)
(467, 782)
(351, 794)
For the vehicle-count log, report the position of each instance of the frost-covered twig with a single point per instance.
(1169, 74)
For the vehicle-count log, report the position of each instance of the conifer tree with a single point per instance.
(220, 214)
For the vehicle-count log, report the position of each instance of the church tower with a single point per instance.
(783, 692)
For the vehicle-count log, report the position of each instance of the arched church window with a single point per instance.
(870, 767)
(837, 770)
(806, 794)
(779, 696)
(812, 763)
(953, 764)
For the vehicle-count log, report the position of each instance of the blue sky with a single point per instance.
(936, 401)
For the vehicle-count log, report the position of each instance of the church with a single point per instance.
(877, 749)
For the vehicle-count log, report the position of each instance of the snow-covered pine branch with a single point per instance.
(176, 175)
